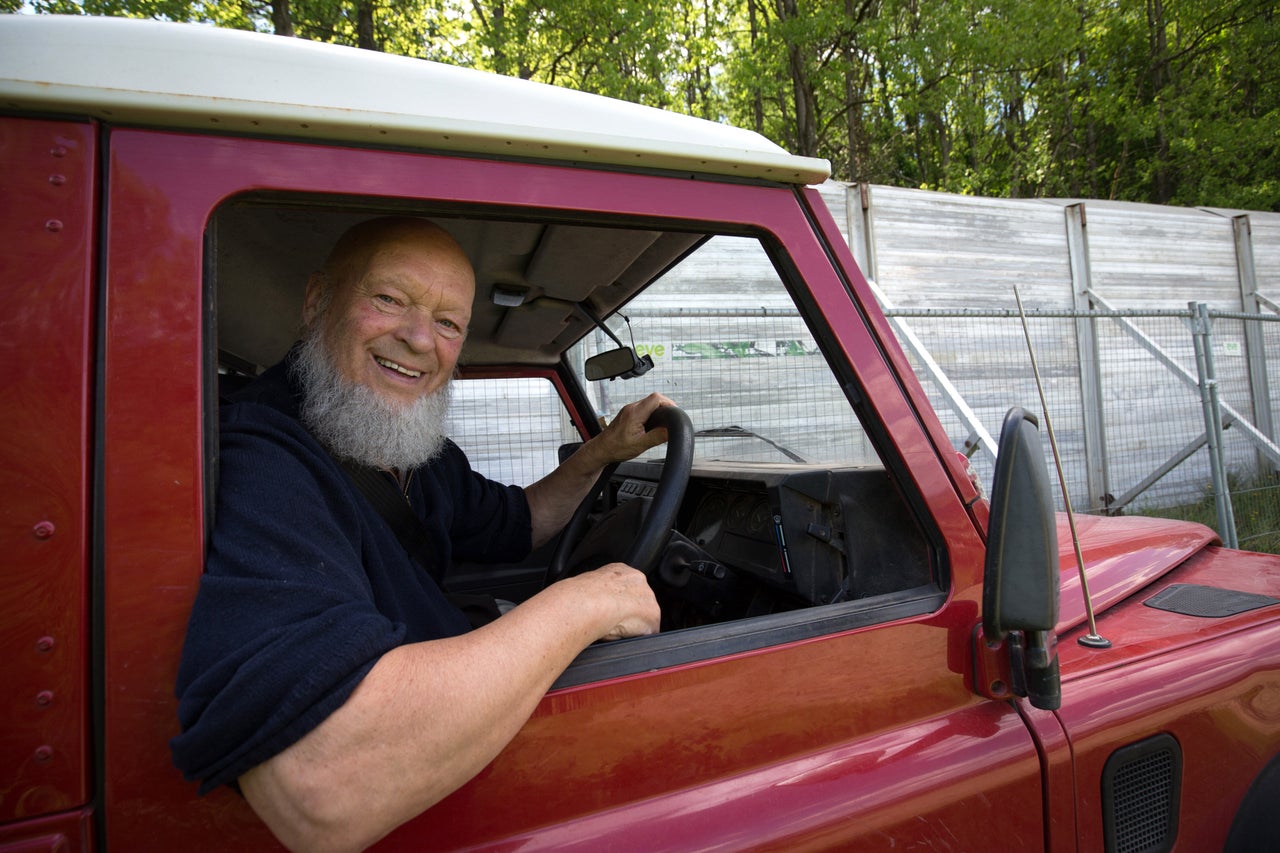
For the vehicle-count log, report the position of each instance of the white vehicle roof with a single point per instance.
(193, 76)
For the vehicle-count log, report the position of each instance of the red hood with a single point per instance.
(1121, 555)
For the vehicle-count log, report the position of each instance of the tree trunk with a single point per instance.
(801, 88)
(1163, 189)
(857, 88)
(281, 18)
(853, 125)
(757, 99)
(364, 26)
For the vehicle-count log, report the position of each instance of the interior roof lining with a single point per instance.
(266, 248)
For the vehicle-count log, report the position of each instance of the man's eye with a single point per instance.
(387, 302)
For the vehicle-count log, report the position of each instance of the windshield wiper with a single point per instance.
(742, 432)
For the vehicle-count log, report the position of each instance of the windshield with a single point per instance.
(730, 347)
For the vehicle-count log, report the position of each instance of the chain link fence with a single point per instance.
(1159, 412)
(1163, 413)
(1166, 413)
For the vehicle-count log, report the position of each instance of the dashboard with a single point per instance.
(755, 538)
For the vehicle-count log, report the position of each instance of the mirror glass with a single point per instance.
(616, 363)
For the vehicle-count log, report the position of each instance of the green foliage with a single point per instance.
(1167, 101)
(656, 53)
(164, 10)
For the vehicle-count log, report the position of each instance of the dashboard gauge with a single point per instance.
(709, 519)
(761, 520)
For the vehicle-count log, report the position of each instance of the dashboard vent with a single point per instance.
(1141, 785)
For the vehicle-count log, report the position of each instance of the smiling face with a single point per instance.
(393, 306)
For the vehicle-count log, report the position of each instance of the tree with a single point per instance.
(1170, 101)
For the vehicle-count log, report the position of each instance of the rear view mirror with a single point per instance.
(1020, 581)
(620, 363)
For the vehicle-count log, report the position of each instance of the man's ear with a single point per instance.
(311, 302)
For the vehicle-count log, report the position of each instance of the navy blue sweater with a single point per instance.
(306, 586)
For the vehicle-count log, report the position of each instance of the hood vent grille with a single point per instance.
(1208, 601)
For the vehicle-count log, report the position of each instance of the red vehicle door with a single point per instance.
(852, 729)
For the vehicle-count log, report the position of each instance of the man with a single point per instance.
(324, 671)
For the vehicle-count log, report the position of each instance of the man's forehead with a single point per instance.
(410, 263)
(391, 235)
(417, 246)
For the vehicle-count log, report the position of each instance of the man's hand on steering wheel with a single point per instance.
(552, 499)
(625, 437)
(637, 546)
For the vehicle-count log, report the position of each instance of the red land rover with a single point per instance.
(858, 650)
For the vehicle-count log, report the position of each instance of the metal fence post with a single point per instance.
(1255, 347)
(1202, 336)
(862, 238)
(1093, 423)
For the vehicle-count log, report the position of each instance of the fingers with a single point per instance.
(626, 435)
(640, 410)
(646, 406)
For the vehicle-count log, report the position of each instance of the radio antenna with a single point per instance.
(1092, 639)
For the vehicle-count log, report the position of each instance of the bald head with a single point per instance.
(354, 252)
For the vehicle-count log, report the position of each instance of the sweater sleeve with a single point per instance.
(285, 624)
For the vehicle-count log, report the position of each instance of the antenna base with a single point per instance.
(1094, 641)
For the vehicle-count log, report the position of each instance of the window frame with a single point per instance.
(754, 219)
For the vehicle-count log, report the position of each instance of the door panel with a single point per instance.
(844, 738)
(849, 742)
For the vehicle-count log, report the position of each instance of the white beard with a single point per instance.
(355, 422)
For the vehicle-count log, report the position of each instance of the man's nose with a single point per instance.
(418, 330)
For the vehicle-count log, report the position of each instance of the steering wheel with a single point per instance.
(655, 529)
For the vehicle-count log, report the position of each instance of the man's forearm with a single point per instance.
(553, 499)
(429, 716)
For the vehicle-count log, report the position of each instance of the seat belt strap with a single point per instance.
(386, 497)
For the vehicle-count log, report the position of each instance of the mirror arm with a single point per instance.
(1020, 663)
(1042, 681)
(992, 670)
(599, 324)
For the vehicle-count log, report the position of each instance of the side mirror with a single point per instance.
(620, 363)
(1020, 580)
